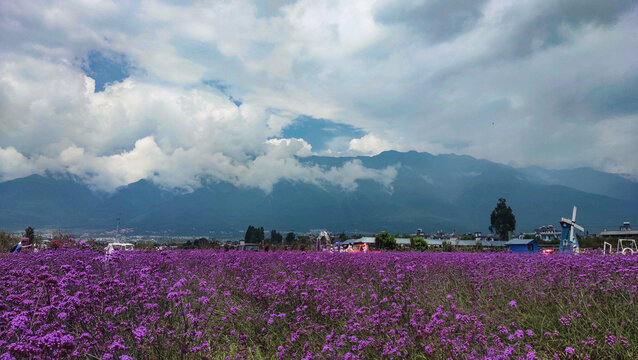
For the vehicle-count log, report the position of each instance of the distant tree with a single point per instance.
(502, 220)
(142, 245)
(290, 238)
(467, 237)
(7, 241)
(447, 246)
(254, 234)
(385, 241)
(188, 245)
(29, 233)
(275, 237)
(343, 237)
(418, 243)
(249, 237)
(201, 243)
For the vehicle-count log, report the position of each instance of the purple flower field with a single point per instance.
(294, 305)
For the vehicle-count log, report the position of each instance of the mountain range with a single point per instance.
(432, 192)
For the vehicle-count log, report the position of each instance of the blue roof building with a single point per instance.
(523, 246)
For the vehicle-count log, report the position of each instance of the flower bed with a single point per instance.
(293, 305)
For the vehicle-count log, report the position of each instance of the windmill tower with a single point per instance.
(568, 240)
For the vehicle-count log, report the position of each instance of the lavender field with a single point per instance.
(294, 305)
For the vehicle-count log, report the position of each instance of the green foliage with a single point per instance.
(275, 237)
(254, 235)
(343, 237)
(479, 246)
(596, 242)
(290, 238)
(502, 220)
(30, 233)
(529, 236)
(7, 241)
(385, 241)
(202, 243)
(447, 246)
(418, 243)
(143, 245)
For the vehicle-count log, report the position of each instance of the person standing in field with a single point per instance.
(24, 243)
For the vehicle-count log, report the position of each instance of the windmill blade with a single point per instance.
(578, 227)
(571, 234)
(566, 221)
(574, 214)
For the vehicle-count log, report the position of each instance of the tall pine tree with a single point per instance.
(502, 220)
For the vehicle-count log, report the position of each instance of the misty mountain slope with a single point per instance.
(46, 201)
(443, 192)
(586, 179)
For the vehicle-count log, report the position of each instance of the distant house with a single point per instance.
(468, 243)
(522, 246)
(547, 233)
(403, 242)
(419, 232)
(623, 231)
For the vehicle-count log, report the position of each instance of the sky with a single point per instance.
(114, 92)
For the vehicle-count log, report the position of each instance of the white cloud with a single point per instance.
(14, 165)
(176, 134)
(370, 145)
(523, 83)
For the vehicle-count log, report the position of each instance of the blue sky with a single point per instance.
(106, 68)
(321, 133)
(115, 92)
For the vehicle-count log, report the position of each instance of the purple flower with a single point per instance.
(564, 321)
(569, 350)
(140, 333)
(302, 296)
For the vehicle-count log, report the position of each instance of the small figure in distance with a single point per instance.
(24, 243)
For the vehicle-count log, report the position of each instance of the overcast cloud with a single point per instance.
(116, 93)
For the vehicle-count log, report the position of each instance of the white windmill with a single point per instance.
(568, 240)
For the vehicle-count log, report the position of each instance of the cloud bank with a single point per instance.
(225, 89)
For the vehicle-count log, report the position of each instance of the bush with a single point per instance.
(7, 241)
(447, 246)
(385, 241)
(419, 244)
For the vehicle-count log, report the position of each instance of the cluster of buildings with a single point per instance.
(624, 231)
(524, 242)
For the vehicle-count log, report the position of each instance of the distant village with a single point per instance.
(544, 238)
